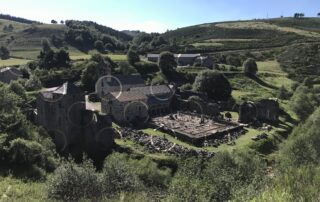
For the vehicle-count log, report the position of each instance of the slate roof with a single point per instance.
(128, 96)
(11, 70)
(133, 79)
(67, 88)
(153, 90)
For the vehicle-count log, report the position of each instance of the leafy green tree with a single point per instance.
(214, 84)
(90, 75)
(62, 58)
(45, 45)
(250, 67)
(4, 53)
(97, 67)
(99, 46)
(132, 56)
(108, 47)
(167, 63)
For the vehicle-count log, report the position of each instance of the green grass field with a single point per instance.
(18, 190)
(266, 26)
(13, 62)
(81, 56)
(271, 66)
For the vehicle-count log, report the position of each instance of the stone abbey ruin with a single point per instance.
(72, 121)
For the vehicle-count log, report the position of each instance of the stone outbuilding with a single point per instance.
(268, 110)
(263, 110)
(117, 82)
(9, 74)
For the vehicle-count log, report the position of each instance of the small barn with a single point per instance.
(119, 82)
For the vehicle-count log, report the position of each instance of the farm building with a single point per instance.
(159, 98)
(138, 103)
(9, 74)
(126, 106)
(115, 83)
(182, 59)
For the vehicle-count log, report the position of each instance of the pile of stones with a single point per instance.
(155, 144)
(228, 138)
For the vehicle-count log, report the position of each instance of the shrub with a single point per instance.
(186, 87)
(118, 175)
(71, 182)
(25, 152)
(150, 175)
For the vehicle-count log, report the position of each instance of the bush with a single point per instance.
(118, 175)
(71, 182)
(25, 152)
(186, 87)
(150, 175)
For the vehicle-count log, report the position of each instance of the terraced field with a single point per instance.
(13, 62)
(266, 26)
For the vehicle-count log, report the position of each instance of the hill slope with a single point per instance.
(234, 35)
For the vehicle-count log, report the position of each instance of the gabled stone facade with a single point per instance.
(62, 112)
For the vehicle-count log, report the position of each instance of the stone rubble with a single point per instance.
(154, 144)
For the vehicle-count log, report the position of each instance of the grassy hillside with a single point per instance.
(253, 34)
(24, 39)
